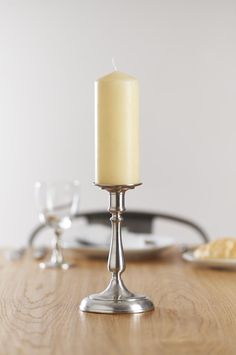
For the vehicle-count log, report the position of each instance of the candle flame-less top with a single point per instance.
(117, 130)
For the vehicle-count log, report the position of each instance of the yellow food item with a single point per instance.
(218, 249)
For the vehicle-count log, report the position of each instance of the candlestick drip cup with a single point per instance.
(116, 298)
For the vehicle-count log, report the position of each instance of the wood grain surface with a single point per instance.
(39, 310)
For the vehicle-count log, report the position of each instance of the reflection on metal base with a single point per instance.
(97, 304)
(116, 298)
(54, 265)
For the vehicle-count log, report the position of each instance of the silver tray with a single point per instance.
(154, 246)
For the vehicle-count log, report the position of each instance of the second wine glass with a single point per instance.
(57, 202)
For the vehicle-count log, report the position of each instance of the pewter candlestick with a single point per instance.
(116, 298)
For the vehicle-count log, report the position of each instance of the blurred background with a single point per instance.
(182, 51)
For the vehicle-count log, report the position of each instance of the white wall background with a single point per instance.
(184, 54)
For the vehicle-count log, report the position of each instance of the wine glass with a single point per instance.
(57, 202)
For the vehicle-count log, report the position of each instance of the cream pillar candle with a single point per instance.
(117, 130)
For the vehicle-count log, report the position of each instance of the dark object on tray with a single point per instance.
(135, 222)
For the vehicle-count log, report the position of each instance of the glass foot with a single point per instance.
(55, 265)
(97, 303)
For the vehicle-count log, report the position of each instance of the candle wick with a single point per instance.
(114, 64)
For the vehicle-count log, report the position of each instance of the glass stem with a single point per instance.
(57, 255)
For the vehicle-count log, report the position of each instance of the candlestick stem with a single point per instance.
(116, 260)
(116, 298)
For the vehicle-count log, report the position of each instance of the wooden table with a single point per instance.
(39, 310)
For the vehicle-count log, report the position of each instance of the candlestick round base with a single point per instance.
(98, 303)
